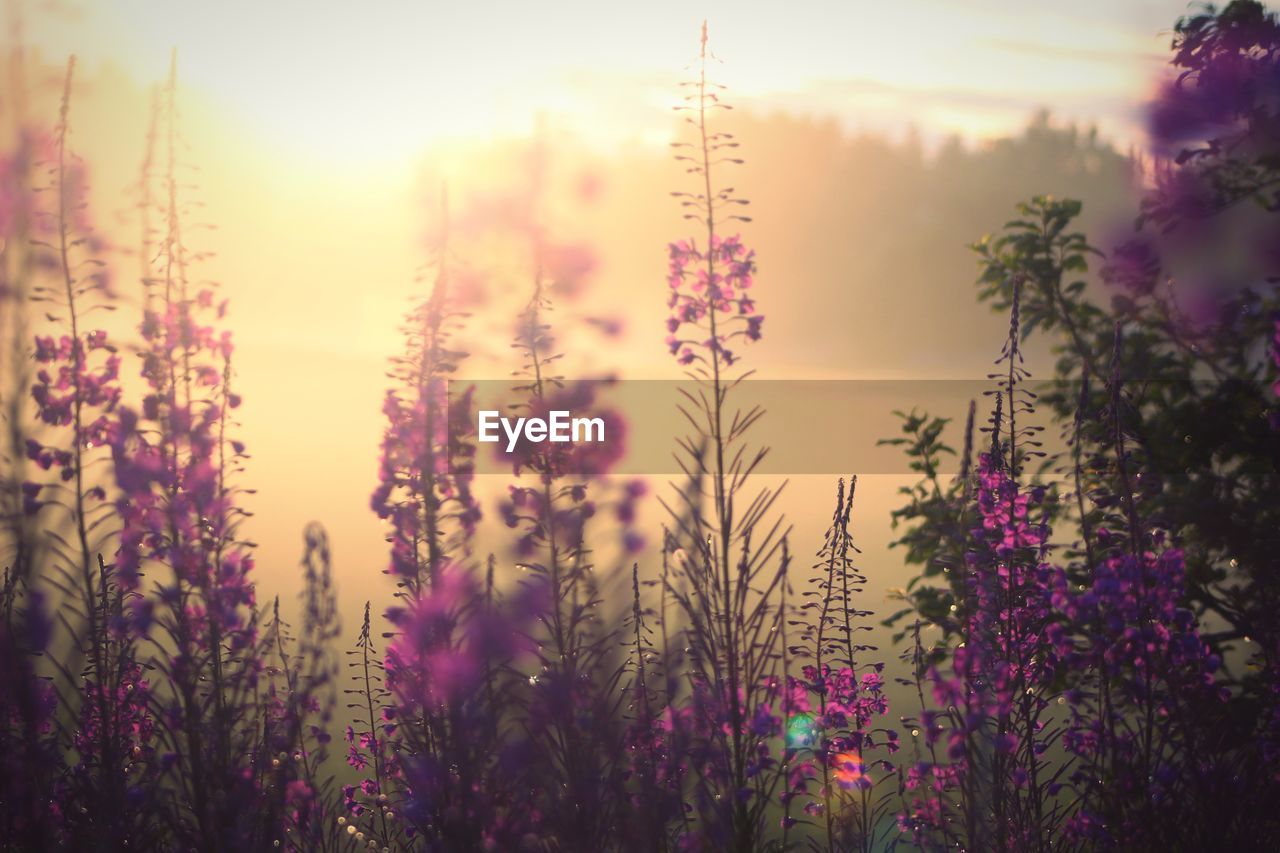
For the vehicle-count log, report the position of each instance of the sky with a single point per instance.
(365, 85)
(322, 132)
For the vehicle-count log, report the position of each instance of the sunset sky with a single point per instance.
(365, 85)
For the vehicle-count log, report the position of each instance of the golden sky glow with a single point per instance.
(368, 84)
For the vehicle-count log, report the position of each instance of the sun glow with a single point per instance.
(368, 88)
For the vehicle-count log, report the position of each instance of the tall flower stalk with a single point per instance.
(571, 707)
(174, 465)
(835, 702)
(296, 710)
(1145, 696)
(432, 743)
(76, 390)
(731, 579)
(997, 789)
(427, 467)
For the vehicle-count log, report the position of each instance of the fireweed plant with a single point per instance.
(830, 710)
(481, 696)
(431, 732)
(77, 389)
(1080, 697)
(1090, 643)
(571, 710)
(175, 467)
(49, 259)
(732, 566)
(996, 790)
(1170, 505)
(1150, 640)
(296, 709)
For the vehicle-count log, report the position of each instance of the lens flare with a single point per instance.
(801, 731)
(850, 772)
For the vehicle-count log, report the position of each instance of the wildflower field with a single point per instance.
(1006, 580)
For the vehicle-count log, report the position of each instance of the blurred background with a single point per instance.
(879, 141)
